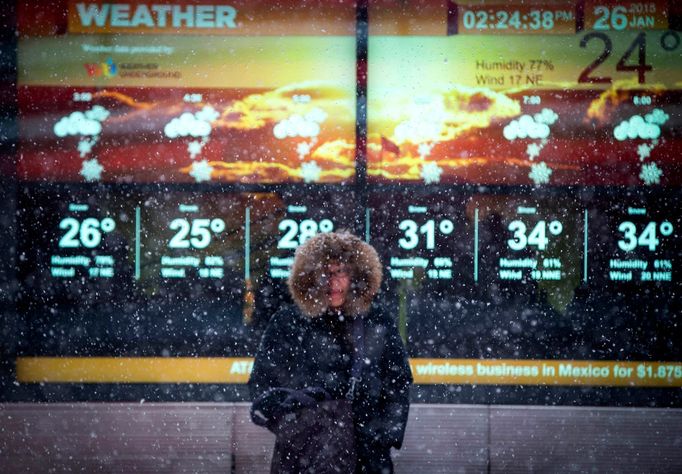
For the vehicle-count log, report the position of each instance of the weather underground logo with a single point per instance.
(105, 69)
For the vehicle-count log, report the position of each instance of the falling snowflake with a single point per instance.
(651, 173)
(201, 171)
(310, 171)
(431, 172)
(303, 149)
(533, 150)
(424, 149)
(85, 147)
(194, 148)
(644, 151)
(540, 173)
(92, 170)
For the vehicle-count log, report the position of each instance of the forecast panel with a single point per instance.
(525, 93)
(515, 288)
(123, 273)
(132, 274)
(122, 92)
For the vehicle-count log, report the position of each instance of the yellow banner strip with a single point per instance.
(236, 370)
(547, 372)
(134, 369)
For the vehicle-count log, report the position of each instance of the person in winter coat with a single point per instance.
(306, 355)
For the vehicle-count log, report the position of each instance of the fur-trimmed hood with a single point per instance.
(308, 282)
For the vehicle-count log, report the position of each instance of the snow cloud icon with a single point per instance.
(425, 122)
(305, 126)
(535, 127)
(644, 128)
(77, 123)
(418, 130)
(188, 124)
(637, 127)
(87, 125)
(528, 127)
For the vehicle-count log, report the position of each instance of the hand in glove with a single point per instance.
(307, 397)
(318, 393)
(278, 401)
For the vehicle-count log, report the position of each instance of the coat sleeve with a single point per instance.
(271, 369)
(397, 378)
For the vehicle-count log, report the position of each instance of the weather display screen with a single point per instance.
(186, 92)
(515, 164)
(528, 93)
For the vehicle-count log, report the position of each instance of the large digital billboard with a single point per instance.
(515, 164)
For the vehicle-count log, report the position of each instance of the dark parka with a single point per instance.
(309, 345)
